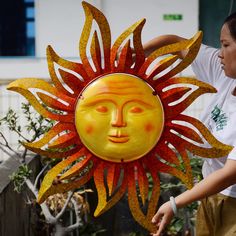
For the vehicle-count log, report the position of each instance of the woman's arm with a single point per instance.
(161, 41)
(214, 183)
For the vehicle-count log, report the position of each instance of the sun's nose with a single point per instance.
(119, 120)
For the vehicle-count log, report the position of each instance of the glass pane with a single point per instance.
(30, 29)
(17, 28)
(30, 12)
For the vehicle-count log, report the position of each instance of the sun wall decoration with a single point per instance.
(119, 120)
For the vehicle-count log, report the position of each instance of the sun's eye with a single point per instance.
(102, 109)
(136, 110)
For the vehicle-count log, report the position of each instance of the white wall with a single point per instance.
(123, 13)
(60, 22)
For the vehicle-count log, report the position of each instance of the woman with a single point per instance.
(217, 191)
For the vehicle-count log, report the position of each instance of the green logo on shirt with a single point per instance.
(219, 117)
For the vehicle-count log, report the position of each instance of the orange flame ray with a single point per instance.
(77, 168)
(134, 205)
(138, 48)
(185, 131)
(95, 52)
(181, 151)
(193, 49)
(52, 185)
(161, 66)
(53, 153)
(25, 84)
(217, 149)
(113, 176)
(184, 160)
(55, 130)
(52, 58)
(94, 14)
(154, 194)
(174, 94)
(186, 163)
(22, 86)
(125, 60)
(136, 30)
(191, 44)
(185, 80)
(55, 104)
(212, 152)
(69, 65)
(155, 165)
(65, 140)
(104, 203)
(75, 84)
(142, 182)
(166, 153)
(181, 106)
(160, 52)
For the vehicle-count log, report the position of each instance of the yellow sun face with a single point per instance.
(122, 117)
(119, 118)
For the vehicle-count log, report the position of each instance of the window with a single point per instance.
(212, 15)
(17, 28)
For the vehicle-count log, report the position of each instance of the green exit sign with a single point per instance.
(172, 17)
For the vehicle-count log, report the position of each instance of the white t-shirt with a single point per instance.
(220, 116)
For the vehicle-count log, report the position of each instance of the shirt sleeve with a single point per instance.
(232, 154)
(206, 65)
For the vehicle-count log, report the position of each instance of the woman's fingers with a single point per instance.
(162, 218)
(162, 226)
(156, 218)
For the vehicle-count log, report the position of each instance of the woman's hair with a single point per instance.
(231, 22)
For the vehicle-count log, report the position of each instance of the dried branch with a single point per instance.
(23, 156)
(48, 216)
(6, 144)
(39, 175)
(78, 222)
(5, 151)
(60, 214)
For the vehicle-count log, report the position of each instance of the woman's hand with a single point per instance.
(162, 218)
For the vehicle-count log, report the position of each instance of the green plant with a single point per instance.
(19, 177)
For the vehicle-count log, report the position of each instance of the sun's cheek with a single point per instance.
(89, 129)
(92, 124)
(149, 127)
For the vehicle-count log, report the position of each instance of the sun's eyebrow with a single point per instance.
(90, 102)
(99, 100)
(141, 102)
(120, 93)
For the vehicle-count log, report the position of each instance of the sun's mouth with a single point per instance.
(118, 138)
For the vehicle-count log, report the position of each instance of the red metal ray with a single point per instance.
(95, 52)
(93, 14)
(77, 168)
(51, 183)
(66, 140)
(55, 104)
(113, 176)
(75, 84)
(104, 200)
